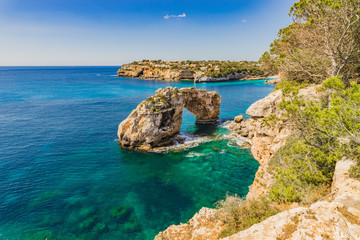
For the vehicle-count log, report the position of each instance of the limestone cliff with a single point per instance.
(268, 136)
(175, 71)
(336, 217)
(156, 121)
(146, 72)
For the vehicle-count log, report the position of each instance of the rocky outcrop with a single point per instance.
(145, 72)
(157, 120)
(334, 217)
(232, 76)
(203, 226)
(268, 130)
(266, 137)
(164, 72)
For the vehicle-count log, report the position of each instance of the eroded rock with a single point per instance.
(157, 120)
(331, 218)
(203, 226)
(239, 119)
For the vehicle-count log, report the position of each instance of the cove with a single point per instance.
(63, 175)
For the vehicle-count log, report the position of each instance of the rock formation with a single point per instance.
(203, 226)
(157, 120)
(334, 217)
(181, 71)
(145, 72)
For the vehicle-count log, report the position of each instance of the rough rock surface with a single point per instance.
(336, 217)
(266, 106)
(239, 119)
(266, 139)
(156, 121)
(144, 72)
(147, 72)
(203, 226)
(232, 76)
(273, 81)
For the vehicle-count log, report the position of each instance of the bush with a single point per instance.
(239, 214)
(328, 131)
(302, 173)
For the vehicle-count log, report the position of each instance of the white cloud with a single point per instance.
(175, 16)
(244, 20)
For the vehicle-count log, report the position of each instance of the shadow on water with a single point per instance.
(205, 129)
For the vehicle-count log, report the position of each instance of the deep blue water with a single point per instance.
(64, 176)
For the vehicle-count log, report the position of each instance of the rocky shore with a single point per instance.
(197, 72)
(334, 217)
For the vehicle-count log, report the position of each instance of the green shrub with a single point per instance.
(302, 173)
(328, 131)
(238, 214)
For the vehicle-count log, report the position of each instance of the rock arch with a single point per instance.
(156, 121)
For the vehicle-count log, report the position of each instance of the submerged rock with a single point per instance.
(157, 120)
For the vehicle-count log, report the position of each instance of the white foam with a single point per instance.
(194, 154)
(184, 146)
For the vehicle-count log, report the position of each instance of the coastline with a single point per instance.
(265, 141)
(197, 71)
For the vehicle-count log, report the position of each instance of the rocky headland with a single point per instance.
(156, 121)
(336, 216)
(198, 71)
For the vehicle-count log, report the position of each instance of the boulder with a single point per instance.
(239, 119)
(266, 106)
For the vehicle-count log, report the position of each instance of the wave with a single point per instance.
(185, 142)
(190, 142)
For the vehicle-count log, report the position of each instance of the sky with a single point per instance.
(110, 32)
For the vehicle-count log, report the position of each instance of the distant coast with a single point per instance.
(198, 71)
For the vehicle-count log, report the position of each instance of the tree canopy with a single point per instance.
(323, 41)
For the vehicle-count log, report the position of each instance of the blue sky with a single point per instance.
(109, 32)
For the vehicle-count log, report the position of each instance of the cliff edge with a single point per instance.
(336, 216)
(198, 71)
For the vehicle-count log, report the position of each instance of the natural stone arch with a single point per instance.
(156, 121)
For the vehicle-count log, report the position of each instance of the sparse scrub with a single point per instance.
(239, 214)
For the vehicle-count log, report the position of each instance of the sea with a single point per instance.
(63, 174)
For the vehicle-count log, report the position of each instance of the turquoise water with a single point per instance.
(64, 176)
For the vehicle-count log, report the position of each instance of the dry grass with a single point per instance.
(239, 214)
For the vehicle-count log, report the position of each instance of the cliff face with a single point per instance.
(203, 226)
(334, 217)
(156, 121)
(147, 72)
(268, 136)
(337, 216)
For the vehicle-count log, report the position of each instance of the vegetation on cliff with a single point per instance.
(238, 214)
(328, 130)
(321, 47)
(322, 42)
(212, 68)
(320, 50)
